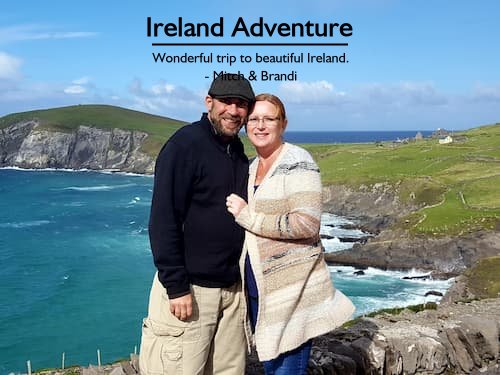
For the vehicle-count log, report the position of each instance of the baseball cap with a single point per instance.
(230, 85)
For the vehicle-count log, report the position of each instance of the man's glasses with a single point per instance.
(267, 120)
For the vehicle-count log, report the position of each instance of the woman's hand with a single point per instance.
(235, 204)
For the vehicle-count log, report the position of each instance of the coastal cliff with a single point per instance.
(393, 247)
(376, 206)
(28, 145)
(446, 256)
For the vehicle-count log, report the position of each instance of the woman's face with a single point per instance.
(264, 126)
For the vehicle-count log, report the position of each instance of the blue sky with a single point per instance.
(412, 65)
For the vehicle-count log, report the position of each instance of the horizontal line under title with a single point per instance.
(242, 28)
(252, 44)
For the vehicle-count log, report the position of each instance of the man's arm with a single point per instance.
(171, 194)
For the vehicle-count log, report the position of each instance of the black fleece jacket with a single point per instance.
(194, 239)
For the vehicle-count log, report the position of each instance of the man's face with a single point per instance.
(227, 115)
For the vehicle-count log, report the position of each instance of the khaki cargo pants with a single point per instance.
(212, 341)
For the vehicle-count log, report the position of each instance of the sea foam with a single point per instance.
(25, 224)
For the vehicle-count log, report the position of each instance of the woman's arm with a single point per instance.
(300, 220)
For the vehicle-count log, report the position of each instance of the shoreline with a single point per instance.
(70, 170)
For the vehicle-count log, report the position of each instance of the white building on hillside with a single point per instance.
(445, 140)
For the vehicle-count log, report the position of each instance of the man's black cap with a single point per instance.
(231, 85)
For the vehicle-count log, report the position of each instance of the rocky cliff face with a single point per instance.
(395, 249)
(25, 145)
(366, 201)
(378, 207)
(457, 338)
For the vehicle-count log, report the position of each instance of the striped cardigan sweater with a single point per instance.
(297, 299)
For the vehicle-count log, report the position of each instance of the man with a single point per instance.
(195, 317)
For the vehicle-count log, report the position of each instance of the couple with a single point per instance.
(209, 204)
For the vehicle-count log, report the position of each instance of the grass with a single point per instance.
(68, 370)
(478, 193)
(421, 191)
(393, 311)
(484, 278)
(453, 216)
(457, 184)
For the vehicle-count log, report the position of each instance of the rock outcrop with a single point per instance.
(365, 201)
(25, 145)
(376, 206)
(457, 338)
(393, 249)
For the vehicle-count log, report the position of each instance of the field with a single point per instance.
(484, 279)
(459, 183)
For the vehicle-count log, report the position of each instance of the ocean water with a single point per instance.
(350, 136)
(76, 267)
(375, 289)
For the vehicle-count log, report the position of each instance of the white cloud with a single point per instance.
(80, 86)
(16, 33)
(402, 94)
(9, 67)
(28, 95)
(311, 93)
(165, 98)
(163, 88)
(422, 93)
(392, 94)
(81, 81)
(135, 87)
(68, 35)
(75, 89)
(487, 93)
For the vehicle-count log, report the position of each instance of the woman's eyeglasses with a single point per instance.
(267, 120)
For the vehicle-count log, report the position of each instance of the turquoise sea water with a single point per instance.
(76, 268)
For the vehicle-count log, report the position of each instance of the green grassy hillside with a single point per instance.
(484, 279)
(67, 119)
(458, 182)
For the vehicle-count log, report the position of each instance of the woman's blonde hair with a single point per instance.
(273, 99)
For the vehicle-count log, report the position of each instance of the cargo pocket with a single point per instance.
(161, 348)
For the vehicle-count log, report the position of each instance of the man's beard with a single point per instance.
(220, 130)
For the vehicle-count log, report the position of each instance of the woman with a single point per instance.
(290, 296)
